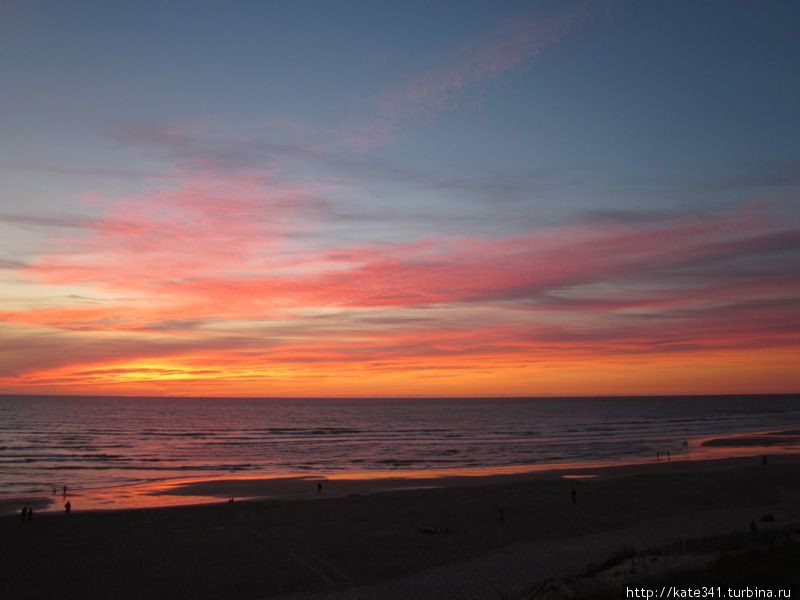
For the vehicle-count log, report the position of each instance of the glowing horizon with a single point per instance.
(448, 220)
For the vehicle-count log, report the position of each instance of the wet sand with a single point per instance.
(767, 439)
(299, 487)
(497, 537)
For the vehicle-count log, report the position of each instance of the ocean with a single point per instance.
(101, 442)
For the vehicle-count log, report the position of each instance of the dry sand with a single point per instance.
(360, 539)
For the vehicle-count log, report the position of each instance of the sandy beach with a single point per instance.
(478, 537)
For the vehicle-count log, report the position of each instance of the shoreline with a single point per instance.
(190, 491)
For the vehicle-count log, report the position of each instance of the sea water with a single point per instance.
(91, 442)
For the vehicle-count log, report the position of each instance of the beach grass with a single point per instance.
(759, 566)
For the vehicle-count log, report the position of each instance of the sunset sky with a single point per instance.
(399, 198)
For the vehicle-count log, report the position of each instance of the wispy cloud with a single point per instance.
(212, 253)
(204, 223)
(510, 45)
(6, 263)
(762, 174)
(28, 220)
(225, 148)
(78, 171)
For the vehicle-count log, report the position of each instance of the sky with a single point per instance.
(399, 198)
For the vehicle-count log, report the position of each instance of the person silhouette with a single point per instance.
(30, 514)
(574, 496)
(319, 487)
(24, 513)
(68, 506)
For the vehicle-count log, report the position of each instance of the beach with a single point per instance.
(475, 537)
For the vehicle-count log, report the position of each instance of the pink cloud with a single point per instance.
(509, 46)
(196, 252)
(208, 223)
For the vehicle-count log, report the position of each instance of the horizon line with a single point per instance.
(408, 397)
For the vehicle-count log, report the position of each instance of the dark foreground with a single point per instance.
(488, 540)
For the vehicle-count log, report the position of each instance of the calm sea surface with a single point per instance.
(102, 442)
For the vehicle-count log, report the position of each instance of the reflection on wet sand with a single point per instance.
(204, 491)
(781, 439)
